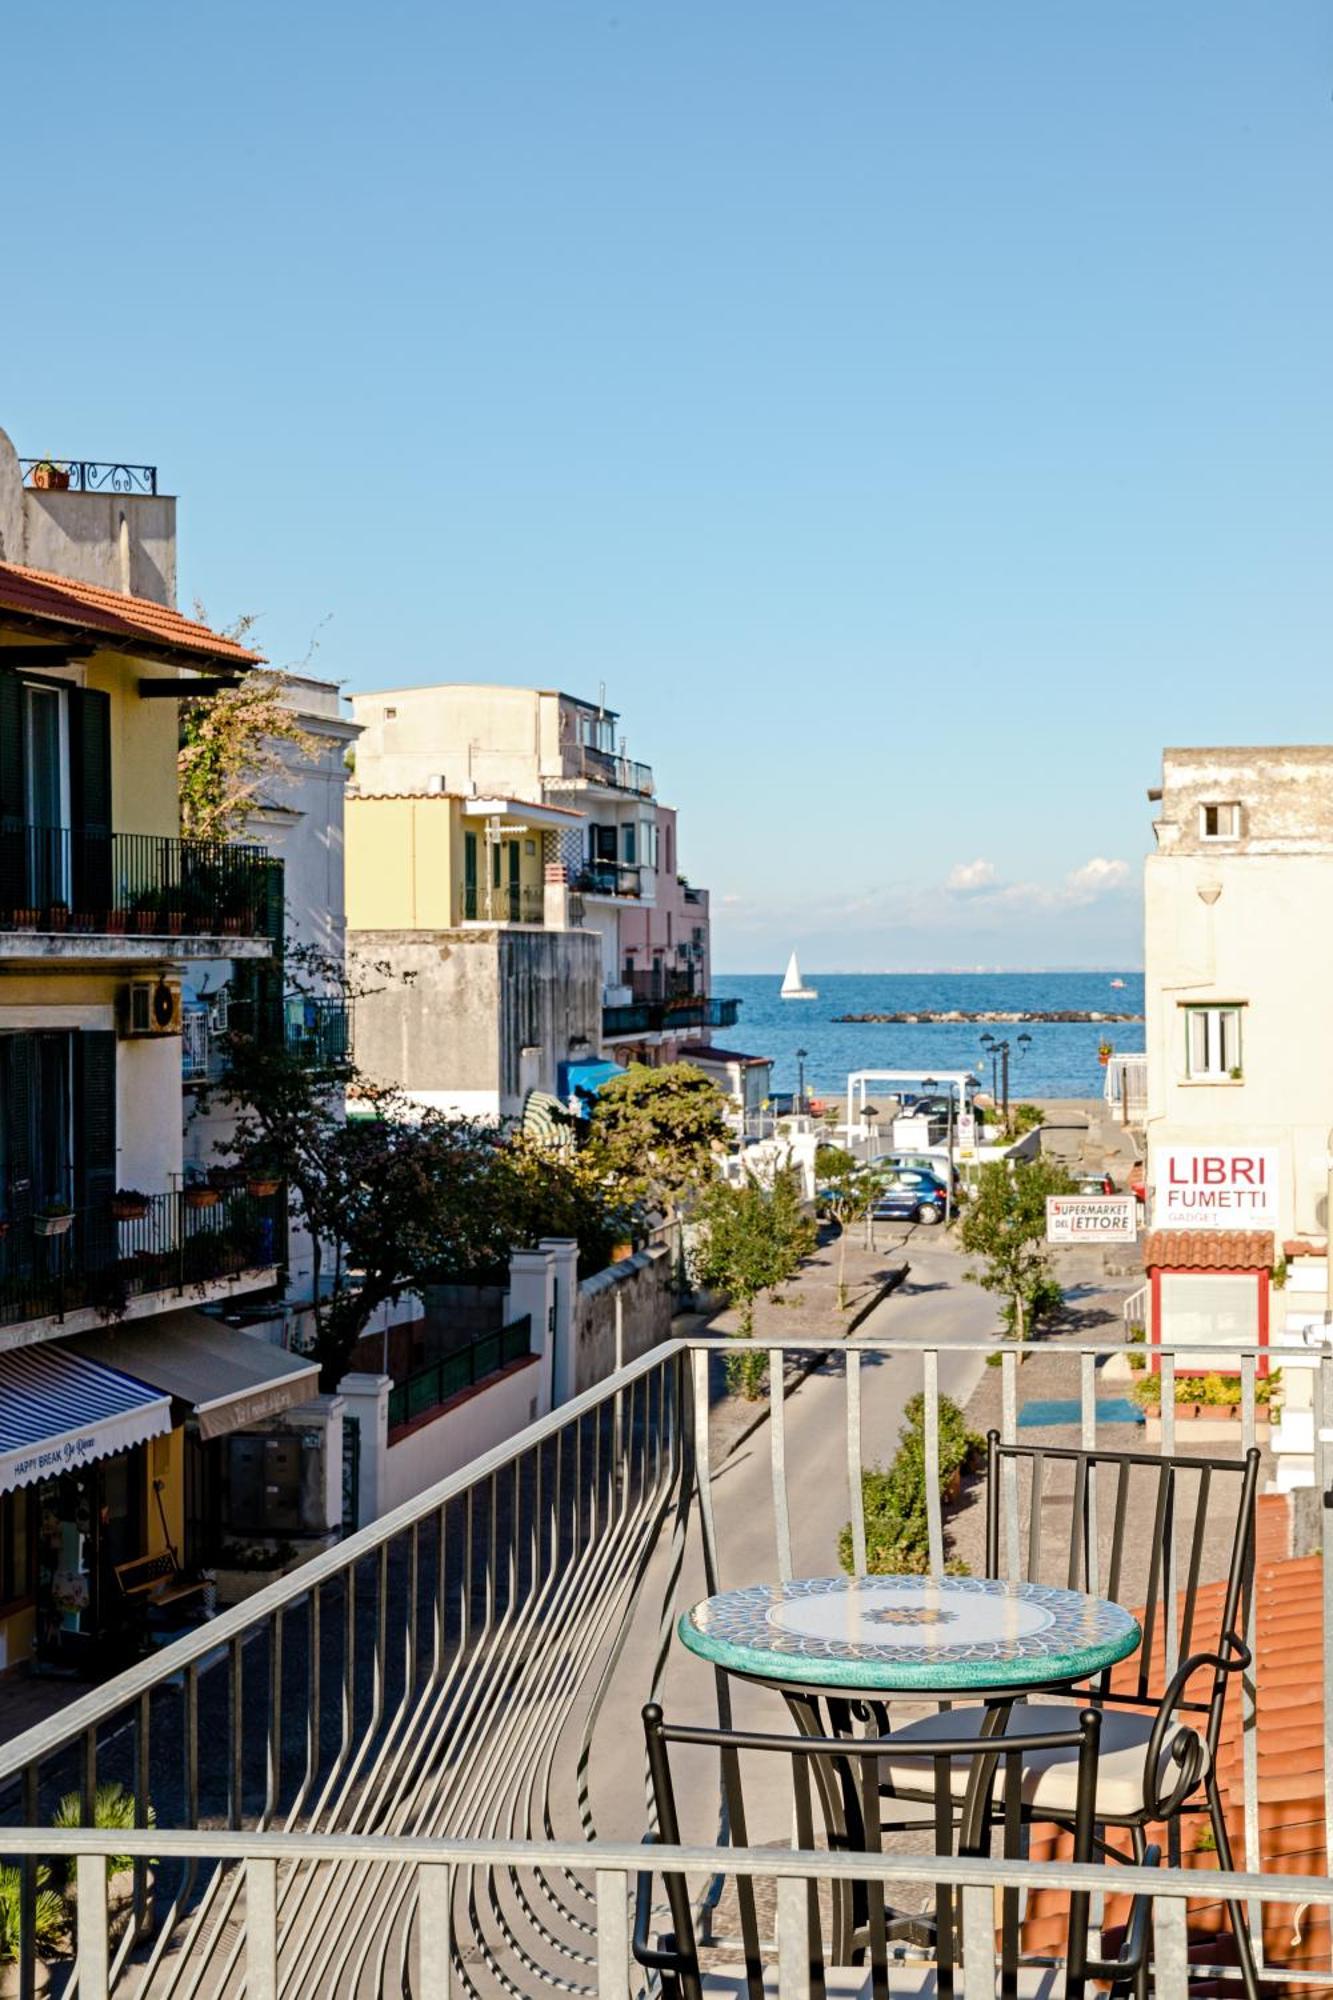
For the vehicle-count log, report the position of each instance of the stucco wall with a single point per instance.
(456, 1009)
(1255, 936)
(642, 1285)
(495, 1412)
(399, 862)
(473, 738)
(123, 541)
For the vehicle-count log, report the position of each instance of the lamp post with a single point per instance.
(931, 1083)
(801, 1055)
(1002, 1051)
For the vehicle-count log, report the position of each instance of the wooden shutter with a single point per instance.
(95, 1139)
(16, 1110)
(13, 798)
(90, 797)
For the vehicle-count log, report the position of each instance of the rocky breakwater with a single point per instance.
(1055, 1016)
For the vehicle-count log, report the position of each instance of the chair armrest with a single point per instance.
(1187, 1750)
(1122, 1970)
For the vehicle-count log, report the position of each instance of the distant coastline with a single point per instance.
(991, 1016)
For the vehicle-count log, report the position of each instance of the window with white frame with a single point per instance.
(1212, 1043)
(1220, 821)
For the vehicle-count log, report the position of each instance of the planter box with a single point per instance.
(1205, 1430)
(202, 1197)
(235, 1585)
(52, 1225)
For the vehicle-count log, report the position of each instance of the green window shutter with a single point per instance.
(13, 869)
(90, 797)
(95, 1140)
(16, 1059)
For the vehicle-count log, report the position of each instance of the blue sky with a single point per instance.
(914, 414)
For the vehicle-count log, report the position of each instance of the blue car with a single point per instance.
(909, 1194)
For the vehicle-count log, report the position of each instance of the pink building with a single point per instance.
(665, 953)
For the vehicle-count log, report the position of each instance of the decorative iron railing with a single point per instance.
(56, 881)
(649, 1017)
(106, 1254)
(87, 475)
(430, 1388)
(410, 1767)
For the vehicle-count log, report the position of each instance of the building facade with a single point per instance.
(111, 1248)
(1239, 1062)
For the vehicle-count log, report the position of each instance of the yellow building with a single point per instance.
(103, 907)
(439, 861)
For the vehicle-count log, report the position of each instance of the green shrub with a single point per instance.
(894, 1501)
(113, 1812)
(49, 1921)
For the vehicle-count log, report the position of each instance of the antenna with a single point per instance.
(601, 694)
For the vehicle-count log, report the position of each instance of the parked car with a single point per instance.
(1094, 1184)
(927, 1163)
(909, 1194)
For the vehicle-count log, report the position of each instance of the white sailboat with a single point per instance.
(792, 989)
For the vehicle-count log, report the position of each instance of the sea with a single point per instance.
(1062, 1061)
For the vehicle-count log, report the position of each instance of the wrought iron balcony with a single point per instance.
(504, 903)
(608, 878)
(87, 475)
(100, 1257)
(652, 1017)
(604, 767)
(59, 883)
(317, 1032)
(412, 1760)
(430, 1388)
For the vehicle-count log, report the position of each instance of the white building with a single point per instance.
(1239, 963)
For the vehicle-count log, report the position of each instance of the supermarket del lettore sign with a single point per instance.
(1215, 1187)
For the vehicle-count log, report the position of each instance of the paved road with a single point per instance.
(936, 1308)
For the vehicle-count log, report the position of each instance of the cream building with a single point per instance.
(1239, 964)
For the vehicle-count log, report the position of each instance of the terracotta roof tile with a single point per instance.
(87, 607)
(1209, 1250)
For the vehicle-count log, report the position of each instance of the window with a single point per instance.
(1220, 822)
(630, 849)
(1212, 1042)
(648, 842)
(391, 715)
(15, 1547)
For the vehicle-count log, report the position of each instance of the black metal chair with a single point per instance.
(1160, 1737)
(845, 1774)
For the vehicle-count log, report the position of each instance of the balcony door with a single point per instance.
(46, 786)
(55, 795)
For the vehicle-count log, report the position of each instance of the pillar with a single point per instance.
(366, 1404)
(564, 1366)
(532, 1283)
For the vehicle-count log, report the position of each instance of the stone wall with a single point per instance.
(641, 1288)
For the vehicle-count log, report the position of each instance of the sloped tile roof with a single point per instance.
(39, 594)
(1209, 1250)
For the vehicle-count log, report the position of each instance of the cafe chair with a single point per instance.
(841, 1777)
(1160, 1734)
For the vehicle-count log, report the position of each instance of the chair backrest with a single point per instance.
(843, 1774)
(1144, 1531)
(141, 1576)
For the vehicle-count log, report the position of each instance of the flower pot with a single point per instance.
(115, 921)
(129, 1211)
(48, 478)
(25, 920)
(1153, 1410)
(175, 922)
(621, 1252)
(11, 1979)
(145, 922)
(262, 1189)
(202, 1197)
(52, 1225)
(57, 917)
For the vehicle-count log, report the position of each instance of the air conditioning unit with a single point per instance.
(150, 1007)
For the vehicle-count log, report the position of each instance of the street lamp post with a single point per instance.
(931, 1083)
(801, 1055)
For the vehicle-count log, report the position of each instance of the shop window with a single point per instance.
(1206, 1314)
(15, 1546)
(1212, 1043)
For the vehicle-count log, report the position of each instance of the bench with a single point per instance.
(156, 1580)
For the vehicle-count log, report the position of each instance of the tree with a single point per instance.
(894, 1502)
(1005, 1223)
(654, 1135)
(751, 1240)
(230, 743)
(845, 1196)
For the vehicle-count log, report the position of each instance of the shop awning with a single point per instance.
(584, 1079)
(220, 1378)
(59, 1410)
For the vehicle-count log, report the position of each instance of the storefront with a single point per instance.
(1210, 1295)
(76, 1447)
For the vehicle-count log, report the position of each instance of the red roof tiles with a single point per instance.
(41, 595)
(1209, 1250)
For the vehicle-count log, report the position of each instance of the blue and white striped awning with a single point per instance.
(58, 1411)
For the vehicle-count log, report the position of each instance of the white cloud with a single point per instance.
(965, 878)
(1095, 878)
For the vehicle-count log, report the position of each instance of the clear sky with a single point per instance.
(914, 413)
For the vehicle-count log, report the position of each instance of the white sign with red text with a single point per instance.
(1215, 1187)
(1091, 1218)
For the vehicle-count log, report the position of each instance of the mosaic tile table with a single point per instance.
(903, 1634)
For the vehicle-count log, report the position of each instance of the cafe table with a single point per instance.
(856, 1641)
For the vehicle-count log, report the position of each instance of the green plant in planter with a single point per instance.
(49, 1921)
(113, 1812)
(1279, 1279)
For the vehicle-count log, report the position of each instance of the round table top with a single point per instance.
(892, 1633)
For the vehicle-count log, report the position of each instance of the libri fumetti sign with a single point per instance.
(1215, 1187)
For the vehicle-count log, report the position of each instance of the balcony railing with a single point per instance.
(87, 475)
(661, 982)
(429, 1388)
(652, 1017)
(604, 767)
(608, 878)
(317, 1032)
(53, 880)
(392, 1768)
(504, 903)
(113, 1252)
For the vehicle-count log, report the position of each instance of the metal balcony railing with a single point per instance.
(317, 1032)
(57, 881)
(87, 475)
(650, 1017)
(103, 1256)
(386, 1774)
(429, 1388)
(661, 982)
(608, 878)
(503, 903)
(604, 767)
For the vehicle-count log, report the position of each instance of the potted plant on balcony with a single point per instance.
(57, 917)
(115, 922)
(129, 1205)
(1105, 1050)
(49, 477)
(201, 1194)
(49, 1927)
(25, 920)
(114, 1811)
(53, 1218)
